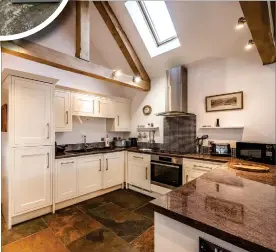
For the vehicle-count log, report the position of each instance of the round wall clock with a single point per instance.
(147, 110)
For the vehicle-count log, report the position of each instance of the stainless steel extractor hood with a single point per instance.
(176, 93)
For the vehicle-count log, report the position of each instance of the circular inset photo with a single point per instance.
(22, 18)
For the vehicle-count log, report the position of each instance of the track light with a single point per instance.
(136, 79)
(241, 23)
(249, 44)
(116, 73)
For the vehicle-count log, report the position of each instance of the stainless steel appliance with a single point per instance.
(257, 152)
(166, 171)
(221, 149)
(133, 141)
(176, 93)
(119, 143)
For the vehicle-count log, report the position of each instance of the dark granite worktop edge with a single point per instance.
(232, 239)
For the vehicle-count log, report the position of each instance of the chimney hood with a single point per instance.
(176, 93)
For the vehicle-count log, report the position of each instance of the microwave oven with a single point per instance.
(257, 152)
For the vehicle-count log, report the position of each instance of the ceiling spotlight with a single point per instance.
(116, 73)
(136, 79)
(249, 45)
(241, 23)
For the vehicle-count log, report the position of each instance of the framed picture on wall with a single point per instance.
(223, 102)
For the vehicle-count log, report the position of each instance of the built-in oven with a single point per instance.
(166, 171)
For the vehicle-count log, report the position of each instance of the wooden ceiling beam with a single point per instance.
(121, 39)
(257, 17)
(34, 52)
(83, 30)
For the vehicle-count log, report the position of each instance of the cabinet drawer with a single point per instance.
(199, 165)
(138, 157)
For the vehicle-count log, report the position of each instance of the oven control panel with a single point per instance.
(206, 246)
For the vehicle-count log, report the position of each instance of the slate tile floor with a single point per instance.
(120, 221)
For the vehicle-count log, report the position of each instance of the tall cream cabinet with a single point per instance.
(28, 145)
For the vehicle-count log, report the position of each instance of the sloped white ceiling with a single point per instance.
(206, 31)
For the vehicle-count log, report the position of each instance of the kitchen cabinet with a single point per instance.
(83, 104)
(66, 179)
(105, 107)
(63, 115)
(193, 169)
(31, 119)
(32, 178)
(90, 171)
(113, 174)
(138, 170)
(121, 123)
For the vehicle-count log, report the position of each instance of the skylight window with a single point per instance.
(159, 21)
(154, 24)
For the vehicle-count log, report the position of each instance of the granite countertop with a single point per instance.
(236, 206)
(97, 151)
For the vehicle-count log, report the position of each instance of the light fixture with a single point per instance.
(241, 23)
(116, 73)
(249, 44)
(136, 79)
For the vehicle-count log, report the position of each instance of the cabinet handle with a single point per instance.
(202, 168)
(107, 164)
(93, 106)
(48, 160)
(146, 173)
(99, 107)
(48, 130)
(187, 178)
(72, 162)
(100, 165)
(67, 118)
(138, 157)
(118, 120)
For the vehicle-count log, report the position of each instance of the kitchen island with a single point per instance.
(236, 210)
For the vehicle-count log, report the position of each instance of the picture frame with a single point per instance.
(224, 102)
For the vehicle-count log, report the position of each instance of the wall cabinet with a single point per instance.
(31, 118)
(114, 169)
(139, 170)
(63, 116)
(105, 107)
(31, 178)
(121, 123)
(83, 104)
(66, 179)
(90, 174)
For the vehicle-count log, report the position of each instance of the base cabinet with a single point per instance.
(114, 169)
(89, 174)
(139, 170)
(32, 178)
(66, 179)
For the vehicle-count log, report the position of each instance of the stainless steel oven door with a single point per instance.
(166, 174)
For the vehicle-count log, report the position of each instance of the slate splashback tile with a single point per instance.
(125, 224)
(22, 230)
(180, 133)
(70, 224)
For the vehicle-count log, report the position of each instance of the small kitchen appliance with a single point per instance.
(133, 141)
(220, 149)
(257, 152)
(119, 143)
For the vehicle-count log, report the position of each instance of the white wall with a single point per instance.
(244, 73)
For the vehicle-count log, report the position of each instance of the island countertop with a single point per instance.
(236, 206)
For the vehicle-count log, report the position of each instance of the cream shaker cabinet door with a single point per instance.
(90, 171)
(122, 119)
(32, 112)
(139, 174)
(105, 107)
(63, 116)
(32, 178)
(66, 179)
(83, 105)
(113, 169)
